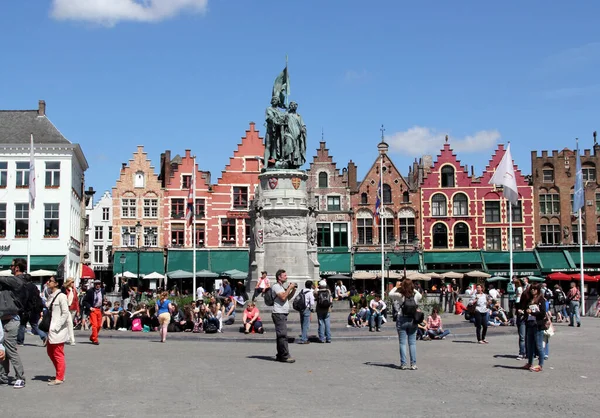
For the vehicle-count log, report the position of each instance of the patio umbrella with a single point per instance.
(154, 275)
(393, 275)
(339, 277)
(126, 274)
(87, 272)
(42, 273)
(497, 279)
(434, 275)
(363, 275)
(419, 276)
(179, 274)
(6, 273)
(478, 274)
(536, 279)
(207, 273)
(235, 274)
(586, 277)
(452, 275)
(559, 276)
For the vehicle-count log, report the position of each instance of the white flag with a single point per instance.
(32, 176)
(505, 177)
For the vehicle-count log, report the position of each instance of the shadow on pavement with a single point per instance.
(265, 358)
(463, 342)
(505, 356)
(42, 378)
(388, 365)
(502, 366)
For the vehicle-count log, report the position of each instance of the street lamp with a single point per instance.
(138, 248)
(407, 250)
(122, 260)
(387, 263)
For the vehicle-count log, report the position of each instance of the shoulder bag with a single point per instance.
(44, 324)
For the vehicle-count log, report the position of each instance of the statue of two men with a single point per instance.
(285, 139)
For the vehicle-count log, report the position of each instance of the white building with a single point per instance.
(54, 223)
(98, 235)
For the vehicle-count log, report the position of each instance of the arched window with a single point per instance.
(589, 172)
(387, 194)
(364, 222)
(447, 176)
(461, 235)
(322, 179)
(406, 220)
(438, 205)
(364, 198)
(405, 197)
(460, 205)
(440, 236)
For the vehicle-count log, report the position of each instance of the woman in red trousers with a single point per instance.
(59, 330)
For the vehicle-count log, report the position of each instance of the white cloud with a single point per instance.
(420, 140)
(110, 12)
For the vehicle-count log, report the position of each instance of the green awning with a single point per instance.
(589, 257)
(45, 262)
(551, 261)
(213, 260)
(374, 259)
(519, 257)
(453, 257)
(332, 263)
(150, 261)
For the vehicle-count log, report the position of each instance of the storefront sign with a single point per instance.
(515, 272)
(238, 215)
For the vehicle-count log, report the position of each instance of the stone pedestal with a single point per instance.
(284, 227)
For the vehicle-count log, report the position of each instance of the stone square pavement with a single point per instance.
(348, 378)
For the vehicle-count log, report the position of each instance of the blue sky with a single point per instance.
(177, 74)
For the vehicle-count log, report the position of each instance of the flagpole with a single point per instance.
(510, 239)
(194, 229)
(580, 234)
(381, 221)
(31, 202)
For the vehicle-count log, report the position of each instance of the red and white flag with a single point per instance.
(32, 176)
(189, 212)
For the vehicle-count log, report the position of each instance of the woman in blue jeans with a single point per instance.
(405, 298)
(535, 323)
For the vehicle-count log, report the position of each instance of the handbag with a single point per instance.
(44, 324)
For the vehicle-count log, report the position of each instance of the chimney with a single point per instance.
(123, 165)
(352, 183)
(42, 108)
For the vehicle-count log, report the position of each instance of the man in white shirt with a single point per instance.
(494, 294)
(200, 293)
(377, 306)
(281, 309)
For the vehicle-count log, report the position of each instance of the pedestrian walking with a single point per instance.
(73, 303)
(11, 287)
(535, 323)
(574, 297)
(324, 303)
(406, 301)
(281, 309)
(125, 297)
(309, 299)
(58, 333)
(480, 301)
(164, 307)
(92, 303)
(32, 308)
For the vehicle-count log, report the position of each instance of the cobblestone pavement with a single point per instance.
(456, 377)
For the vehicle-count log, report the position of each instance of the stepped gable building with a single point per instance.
(400, 215)
(137, 200)
(464, 213)
(55, 222)
(223, 228)
(98, 254)
(331, 192)
(553, 178)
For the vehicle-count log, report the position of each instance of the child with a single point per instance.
(422, 331)
(459, 307)
(353, 320)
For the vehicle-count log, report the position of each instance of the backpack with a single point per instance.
(32, 301)
(547, 294)
(323, 301)
(299, 302)
(269, 297)
(409, 307)
(560, 297)
(136, 324)
(210, 328)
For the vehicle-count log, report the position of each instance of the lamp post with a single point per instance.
(407, 250)
(387, 263)
(122, 260)
(138, 248)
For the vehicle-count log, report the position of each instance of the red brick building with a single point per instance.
(400, 215)
(222, 209)
(463, 212)
(331, 191)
